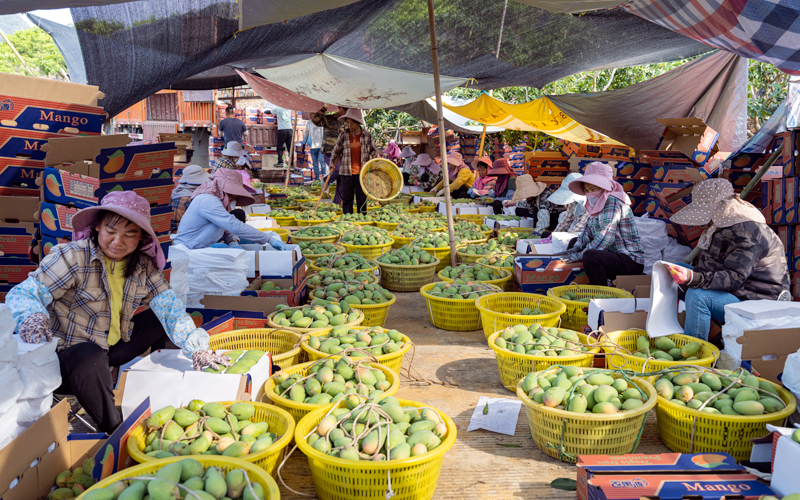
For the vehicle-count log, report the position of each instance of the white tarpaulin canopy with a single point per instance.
(461, 121)
(254, 13)
(355, 84)
(572, 6)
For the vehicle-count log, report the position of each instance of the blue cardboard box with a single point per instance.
(539, 273)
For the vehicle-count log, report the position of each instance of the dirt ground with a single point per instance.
(478, 466)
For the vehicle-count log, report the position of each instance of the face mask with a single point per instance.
(593, 197)
(233, 204)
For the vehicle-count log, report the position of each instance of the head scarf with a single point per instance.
(457, 160)
(714, 203)
(600, 175)
(503, 171)
(225, 184)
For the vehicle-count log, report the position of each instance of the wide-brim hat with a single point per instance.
(527, 188)
(455, 158)
(233, 148)
(407, 152)
(423, 160)
(194, 174)
(246, 182)
(501, 167)
(563, 195)
(714, 199)
(353, 114)
(597, 174)
(232, 184)
(126, 204)
(483, 159)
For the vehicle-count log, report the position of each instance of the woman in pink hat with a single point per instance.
(609, 244)
(354, 147)
(86, 293)
(461, 177)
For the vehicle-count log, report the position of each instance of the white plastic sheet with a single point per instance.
(10, 389)
(653, 235)
(213, 271)
(8, 347)
(735, 326)
(791, 374)
(178, 278)
(674, 251)
(663, 316)
(31, 410)
(40, 377)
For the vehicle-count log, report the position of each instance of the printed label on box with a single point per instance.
(136, 163)
(56, 220)
(66, 188)
(55, 117)
(18, 177)
(24, 144)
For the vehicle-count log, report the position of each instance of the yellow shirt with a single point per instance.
(116, 288)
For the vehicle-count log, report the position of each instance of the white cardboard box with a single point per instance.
(785, 479)
(263, 260)
(502, 224)
(258, 208)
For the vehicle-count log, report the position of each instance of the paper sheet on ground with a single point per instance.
(502, 416)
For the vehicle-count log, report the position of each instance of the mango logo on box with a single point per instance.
(116, 188)
(115, 161)
(742, 180)
(6, 105)
(626, 169)
(533, 263)
(197, 318)
(47, 247)
(51, 182)
(49, 220)
(659, 173)
(650, 206)
(709, 461)
(742, 161)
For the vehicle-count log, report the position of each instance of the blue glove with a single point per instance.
(469, 192)
(277, 243)
(219, 245)
(491, 193)
(234, 244)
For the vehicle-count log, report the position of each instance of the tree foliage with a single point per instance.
(37, 50)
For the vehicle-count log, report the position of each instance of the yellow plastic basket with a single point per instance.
(318, 239)
(518, 230)
(300, 410)
(504, 282)
(254, 473)
(284, 221)
(586, 433)
(468, 258)
(312, 257)
(494, 318)
(283, 233)
(372, 270)
(426, 209)
(312, 331)
(392, 361)
(299, 222)
(577, 312)
(407, 278)
(452, 314)
(443, 254)
(716, 432)
(485, 262)
(279, 420)
(412, 478)
(488, 233)
(513, 366)
(477, 218)
(708, 355)
(389, 226)
(375, 314)
(278, 341)
(368, 251)
(381, 179)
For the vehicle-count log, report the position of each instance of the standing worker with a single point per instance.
(285, 130)
(355, 148)
(313, 139)
(232, 129)
(332, 127)
(86, 293)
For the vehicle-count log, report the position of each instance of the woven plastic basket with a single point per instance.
(278, 341)
(443, 254)
(372, 270)
(279, 420)
(312, 331)
(500, 282)
(312, 257)
(389, 226)
(412, 478)
(426, 209)
(494, 317)
(283, 221)
(708, 355)
(254, 473)
(381, 179)
(299, 222)
(716, 432)
(283, 233)
(407, 278)
(468, 258)
(518, 230)
(476, 218)
(368, 251)
(586, 433)
(392, 361)
(319, 239)
(375, 314)
(577, 312)
(513, 366)
(298, 410)
(454, 315)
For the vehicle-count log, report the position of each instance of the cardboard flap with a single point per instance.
(630, 283)
(601, 309)
(50, 90)
(760, 343)
(663, 317)
(80, 150)
(18, 210)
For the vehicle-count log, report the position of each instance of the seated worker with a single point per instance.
(741, 257)
(504, 186)
(573, 219)
(609, 245)
(530, 198)
(461, 177)
(483, 181)
(192, 177)
(428, 173)
(208, 219)
(85, 293)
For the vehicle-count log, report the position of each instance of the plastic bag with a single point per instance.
(8, 426)
(8, 346)
(40, 377)
(735, 326)
(31, 410)
(674, 251)
(213, 271)
(653, 236)
(10, 388)
(791, 374)
(178, 278)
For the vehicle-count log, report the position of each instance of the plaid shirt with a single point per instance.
(613, 229)
(75, 274)
(342, 150)
(179, 206)
(569, 224)
(227, 162)
(331, 126)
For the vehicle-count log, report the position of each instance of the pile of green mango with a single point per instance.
(539, 341)
(328, 276)
(464, 274)
(491, 247)
(419, 225)
(466, 225)
(284, 202)
(314, 248)
(324, 206)
(498, 260)
(461, 292)
(318, 215)
(315, 315)
(426, 203)
(383, 215)
(206, 429)
(407, 256)
(353, 293)
(409, 232)
(329, 381)
(365, 238)
(598, 392)
(664, 349)
(347, 262)
(435, 216)
(432, 240)
(241, 361)
(341, 225)
(71, 483)
(374, 340)
(463, 235)
(281, 212)
(357, 432)
(269, 286)
(356, 217)
(747, 394)
(510, 238)
(177, 479)
(503, 217)
(316, 232)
